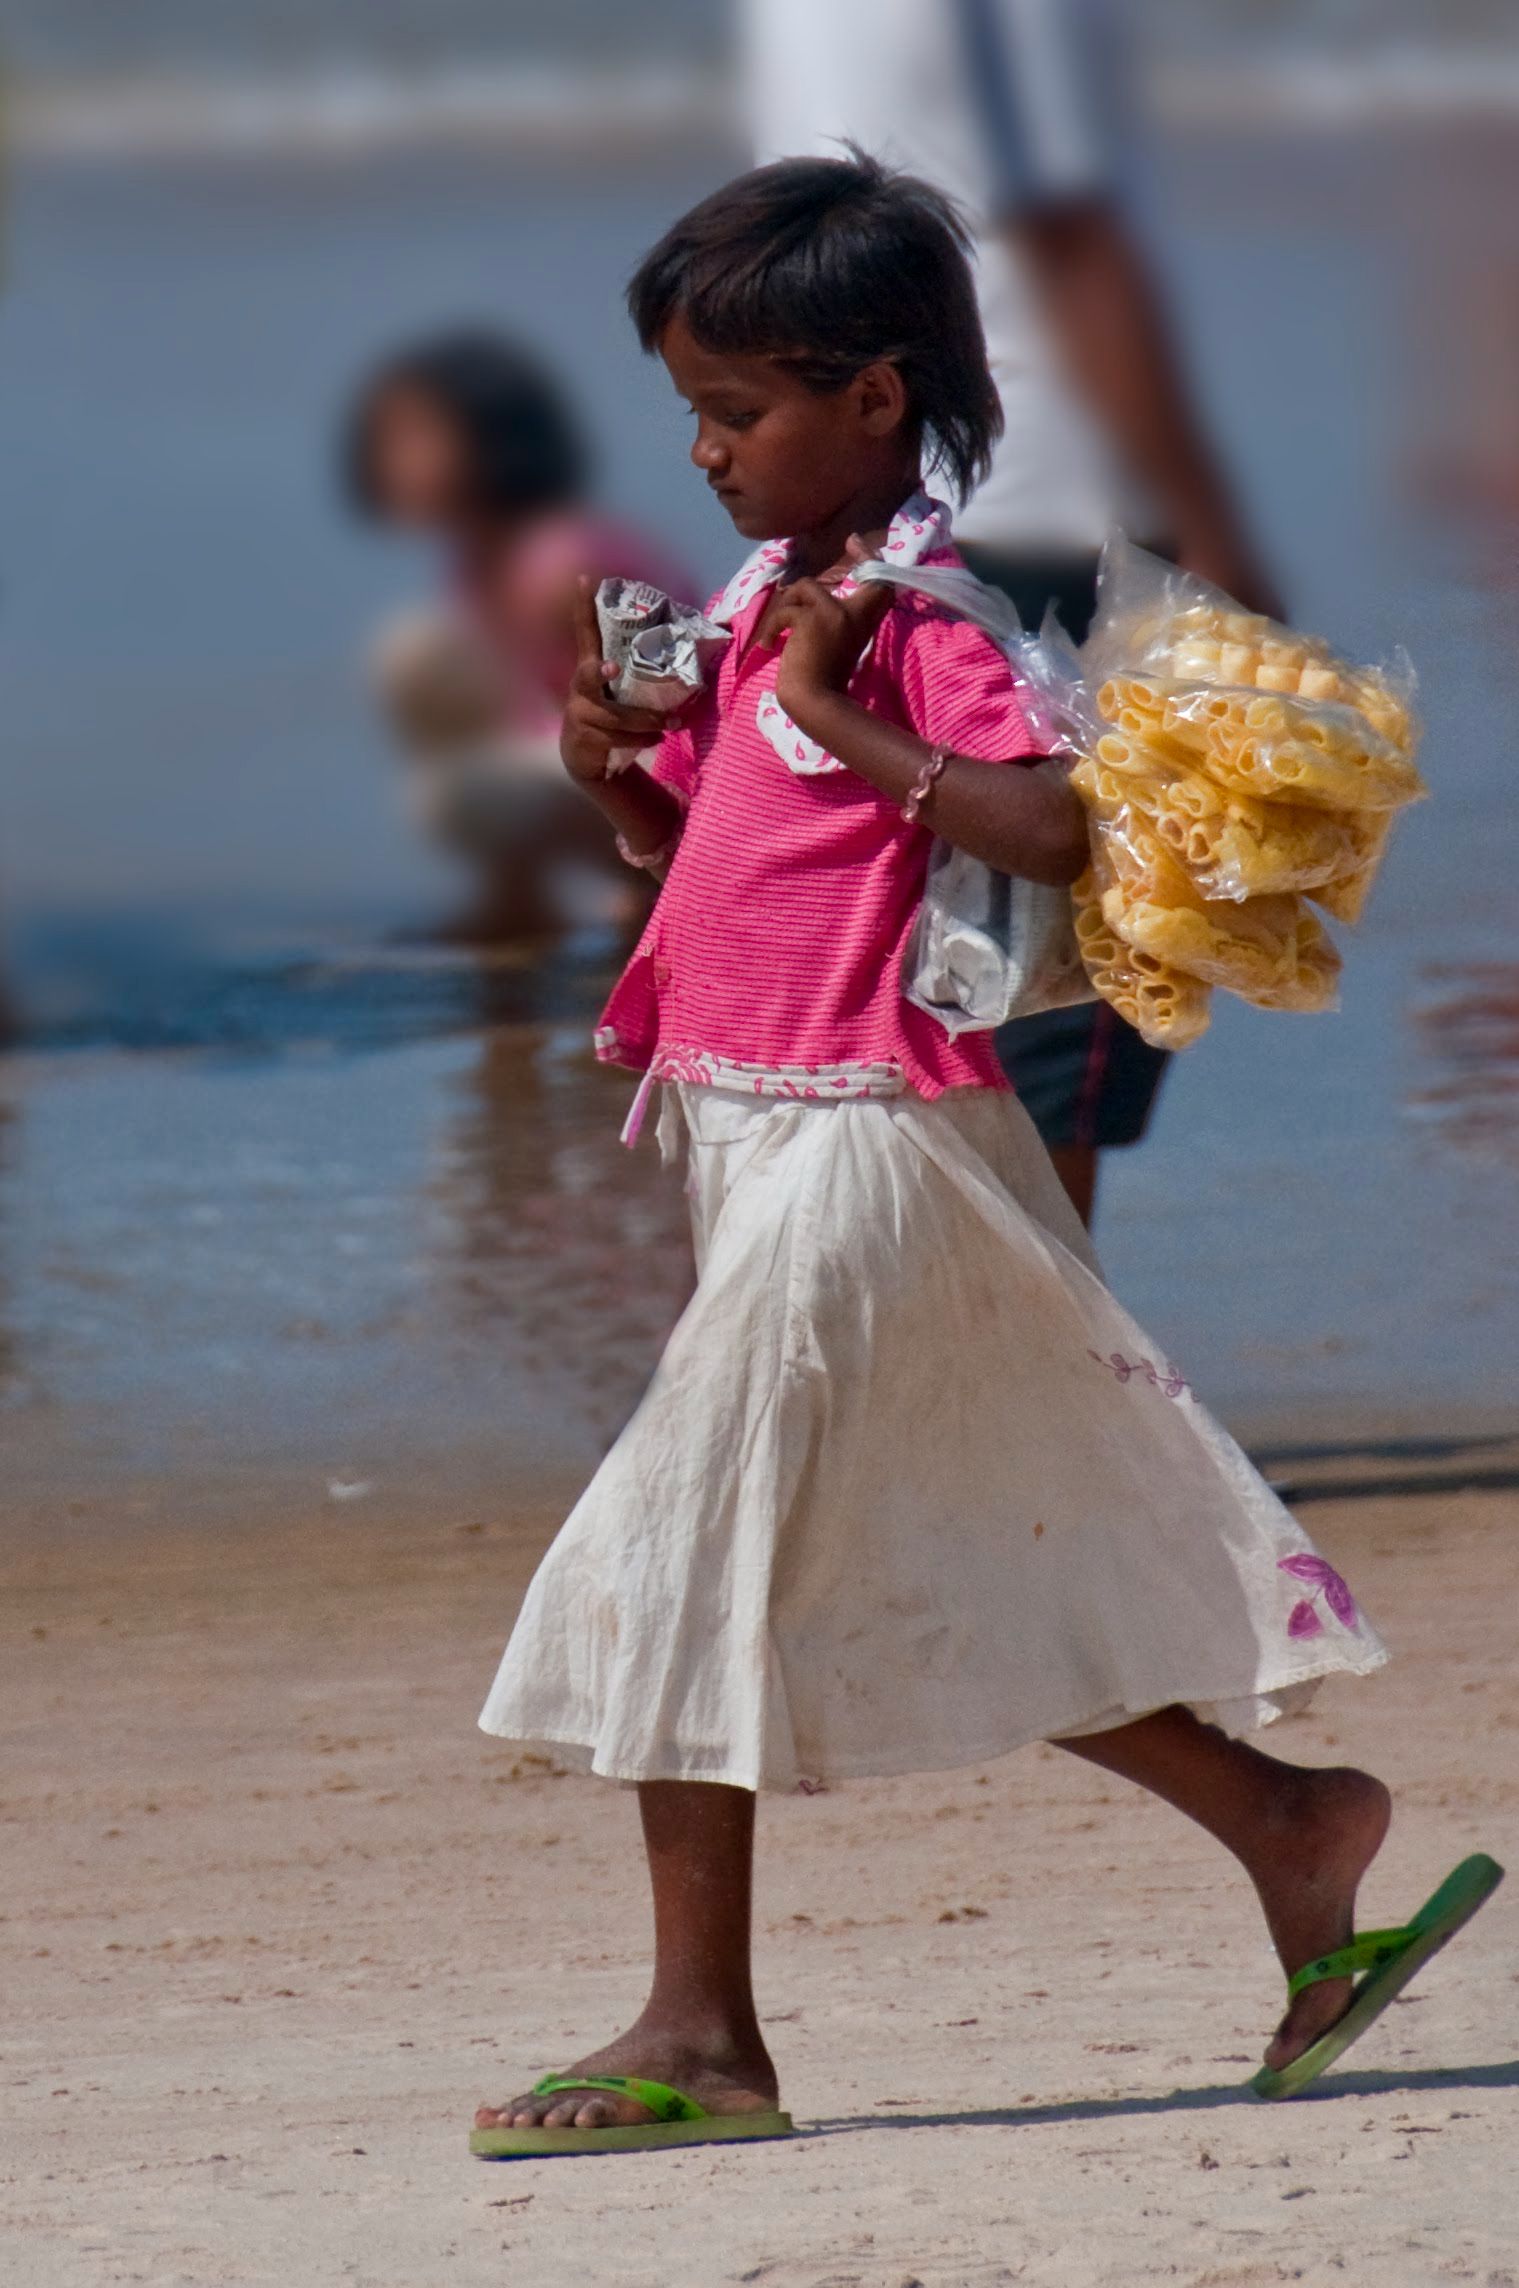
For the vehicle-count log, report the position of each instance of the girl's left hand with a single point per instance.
(826, 634)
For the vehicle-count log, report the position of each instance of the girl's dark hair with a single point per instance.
(827, 265)
(522, 446)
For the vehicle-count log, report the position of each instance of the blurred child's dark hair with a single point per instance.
(828, 265)
(522, 446)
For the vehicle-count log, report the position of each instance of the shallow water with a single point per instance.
(276, 1188)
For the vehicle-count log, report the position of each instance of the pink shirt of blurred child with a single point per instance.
(520, 602)
(773, 959)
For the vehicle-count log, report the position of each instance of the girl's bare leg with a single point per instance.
(1304, 1837)
(698, 2029)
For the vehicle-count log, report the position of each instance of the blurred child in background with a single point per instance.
(466, 438)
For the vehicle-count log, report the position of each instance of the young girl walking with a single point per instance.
(908, 1489)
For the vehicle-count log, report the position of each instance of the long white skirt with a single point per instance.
(908, 1488)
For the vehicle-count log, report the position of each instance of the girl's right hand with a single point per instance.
(594, 723)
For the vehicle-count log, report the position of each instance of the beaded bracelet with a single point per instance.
(647, 861)
(923, 784)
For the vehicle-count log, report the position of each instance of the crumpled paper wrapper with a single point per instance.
(662, 651)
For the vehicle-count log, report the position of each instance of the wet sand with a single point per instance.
(279, 1916)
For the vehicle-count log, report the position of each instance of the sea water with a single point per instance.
(283, 1187)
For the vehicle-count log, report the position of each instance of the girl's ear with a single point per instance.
(881, 395)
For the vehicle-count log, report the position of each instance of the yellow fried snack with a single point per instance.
(1272, 951)
(1328, 759)
(1236, 768)
(1322, 754)
(1133, 757)
(1207, 644)
(1165, 1008)
(1315, 986)
(1135, 707)
(1345, 894)
(1231, 845)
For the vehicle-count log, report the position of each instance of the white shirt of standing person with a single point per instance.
(1008, 105)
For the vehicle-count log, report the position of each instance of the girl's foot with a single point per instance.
(1330, 1831)
(725, 2074)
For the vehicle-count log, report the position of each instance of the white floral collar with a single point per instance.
(920, 528)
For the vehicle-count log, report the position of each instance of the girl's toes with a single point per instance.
(586, 2110)
(1312, 2014)
(1280, 2050)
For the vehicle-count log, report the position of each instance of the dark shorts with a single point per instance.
(1082, 1075)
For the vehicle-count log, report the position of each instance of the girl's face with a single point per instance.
(421, 472)
(783, 458)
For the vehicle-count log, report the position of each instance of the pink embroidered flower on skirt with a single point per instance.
(1174, 1385)
(1305, 1620)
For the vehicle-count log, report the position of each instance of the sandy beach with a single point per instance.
(278, 1917)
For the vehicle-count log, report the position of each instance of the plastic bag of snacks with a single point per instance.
(1319, 752)
(1272, 950)
(1231, 845)
(1169, 1008)
(1230, 768)
(1154, 620)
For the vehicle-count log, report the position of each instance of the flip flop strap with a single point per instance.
(664, 2103)
(1369, 1950)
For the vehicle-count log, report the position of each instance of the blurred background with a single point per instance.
(305, 1171)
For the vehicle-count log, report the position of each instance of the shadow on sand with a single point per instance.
(1501, 2076)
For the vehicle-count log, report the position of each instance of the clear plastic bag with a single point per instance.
(1272, 951)
(1153, 619)
(1231, 845)
(1236, 769)
(1345, 894)
(1320, 752)
(990, 946)
(1166, 1008)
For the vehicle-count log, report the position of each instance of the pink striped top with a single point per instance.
(772, 960)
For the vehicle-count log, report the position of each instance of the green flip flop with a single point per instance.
(1390, 1959)
(678, 2120)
